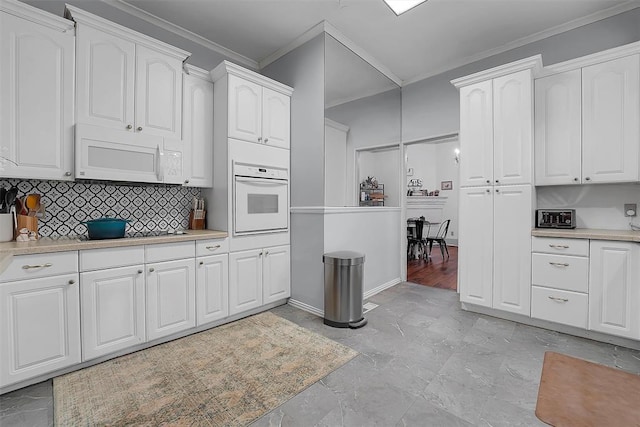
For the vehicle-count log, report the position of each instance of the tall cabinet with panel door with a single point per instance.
(496, 196)
(37, 56)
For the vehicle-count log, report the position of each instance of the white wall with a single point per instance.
(384, 165)
(335, 164)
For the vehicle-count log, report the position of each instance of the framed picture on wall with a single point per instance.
(446, 185)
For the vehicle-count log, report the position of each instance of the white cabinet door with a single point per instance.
(276, 116)
(39, 327)
(245, 110)
(171, 302)
(105, 76)
(197, 131)
(614, 291)
(276, 274)
(611, 124)
(245, 280)
(512, 220)
(512, 128)
(476, 134)
(158, 93)
(36, 100)
(113, 314)
(475, 257)
(558, 129)
(212, 288)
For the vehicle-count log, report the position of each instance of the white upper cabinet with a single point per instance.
(126, 80)
(558, 129)
(252, 107)
(197, 131)
(476, 134)
(611, 120)
(512, 128)
(36, 94)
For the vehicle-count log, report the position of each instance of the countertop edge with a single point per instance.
(588, 233)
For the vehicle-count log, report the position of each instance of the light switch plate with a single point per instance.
(630, 209)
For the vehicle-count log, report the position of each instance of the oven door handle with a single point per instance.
(272, 182)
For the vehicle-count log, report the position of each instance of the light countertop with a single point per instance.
(588, 233)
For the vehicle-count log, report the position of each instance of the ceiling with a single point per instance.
(431, 38)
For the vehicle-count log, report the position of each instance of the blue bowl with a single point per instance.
(106, 228)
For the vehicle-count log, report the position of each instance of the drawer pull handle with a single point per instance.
(28, 267)
(559, 299)
(559, 246)
(213, 248)
(559, 264)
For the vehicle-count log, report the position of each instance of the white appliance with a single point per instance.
(260, 199)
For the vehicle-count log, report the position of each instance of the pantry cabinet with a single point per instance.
(36, 94)
(39, 326)
(197, 128)
(170, 295)
(113, 310)
(614, 294)
(212, 288)
(476, 134)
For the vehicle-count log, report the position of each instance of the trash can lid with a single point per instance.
(343, 258)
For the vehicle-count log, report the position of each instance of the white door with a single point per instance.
(36, 100)
(476, 134)
(197, 131)
(475, 246)
(212, 288)
(558, 129)
(276, 274)
(113, 313)
(614, 294)
(245, 280)
(513, 128)
(610, 125)
(171, 303)
(39, 327)
(158, 94)
(105, 78)
(512, 220)
(245, 110)
(276, 118)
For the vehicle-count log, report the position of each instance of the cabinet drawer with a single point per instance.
(97, 259)
(212, 247)
(169, 251)
(40, 265)
(570, 273)
(568, 308)
(552, 245)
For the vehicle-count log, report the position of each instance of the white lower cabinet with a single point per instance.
(258, 277)
(614, 288)
(39, 327)
(212, 288)
(113, 310)
(171, 297)
(554, 305)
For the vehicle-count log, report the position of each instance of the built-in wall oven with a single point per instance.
(260, 199)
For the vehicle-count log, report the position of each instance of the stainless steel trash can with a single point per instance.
(343, 293)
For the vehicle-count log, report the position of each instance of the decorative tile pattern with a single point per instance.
(67, 204)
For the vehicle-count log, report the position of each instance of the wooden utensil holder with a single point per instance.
(197, 220)
(28, 222)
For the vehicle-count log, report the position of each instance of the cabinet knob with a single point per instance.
(67, 174)
(488, 181)
(588, 179)
(497, 181)
(129, 127)
(151, 270)
(139, 128)
(71, 282)
(186, 181)
(261, 253)
(266, 140)
(575, 179)
(488, 191)
(266, 253)
(497, 191)
(259, 139)
(201, 262)
(139, 271)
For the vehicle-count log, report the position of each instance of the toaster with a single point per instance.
(556, 218)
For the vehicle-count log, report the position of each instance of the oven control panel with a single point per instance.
(255, 171)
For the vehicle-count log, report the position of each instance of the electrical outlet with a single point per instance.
(630, 209)
(452, 234)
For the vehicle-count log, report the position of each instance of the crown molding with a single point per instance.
(182, 32)
(303, 38)
(194, 71)
(39, 16)
(227, 67)
(567, 26)
(367, 94)
(595, 58)
(533, 63)
(336, 125)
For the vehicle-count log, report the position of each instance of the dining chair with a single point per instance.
(414, 237)
(439, 238)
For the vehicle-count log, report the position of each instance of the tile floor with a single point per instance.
(423, 361)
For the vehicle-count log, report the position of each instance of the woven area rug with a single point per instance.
(575, 392)
(225, 376)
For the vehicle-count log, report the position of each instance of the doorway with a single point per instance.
(431, 167)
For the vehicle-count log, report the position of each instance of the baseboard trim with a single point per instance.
(381, 288)
(306, 307)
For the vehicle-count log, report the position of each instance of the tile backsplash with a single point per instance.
(149, 207)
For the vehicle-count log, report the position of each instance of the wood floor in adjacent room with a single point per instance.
(437, 273)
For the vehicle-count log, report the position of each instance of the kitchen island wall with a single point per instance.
(149, 207)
